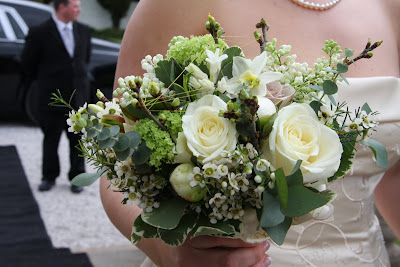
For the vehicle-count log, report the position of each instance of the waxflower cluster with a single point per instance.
(208, 140)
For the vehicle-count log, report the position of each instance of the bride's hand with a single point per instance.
(211, 251)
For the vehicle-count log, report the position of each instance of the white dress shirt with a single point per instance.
(67, 34)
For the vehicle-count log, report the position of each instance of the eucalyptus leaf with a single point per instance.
(272, 214)
(114, 130)
(316, 87)
(344, 78)
(123, 155)
(282, 187)
(91, 133)
(85, 179)
(134, 139)
(89, 125)
(332, 99)
(315, 105)
(178, 235)
(110, 142)
(342, 68)
(169, 72)
(278, 232)
(168, 215)
(330, 87)
(122, 143)
(233, 51)
(143, 229)
(141, 155)
(366, 108)
(348, 52)
(379, 151)
(302, 200)
(226, 71)
(105, 134)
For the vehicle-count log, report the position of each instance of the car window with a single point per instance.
(17, 29)
(32, 16)
(2, 33)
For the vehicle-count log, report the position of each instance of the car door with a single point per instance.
(12, 34)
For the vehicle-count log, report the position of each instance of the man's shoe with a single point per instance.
(46, 185)
(76, 189)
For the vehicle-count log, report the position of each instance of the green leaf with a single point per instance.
(332, 99)
(278, 232)
(134, 139)
(224, 98)
(366, 108)
(105, 134)
(315, 105)
(348, 141)
(316, 87)
(177, 236)
(302, 201)
(122, 143)
(204, 227)
(167, 71)
(85, 179)
(344, 78)
(143, 229)
(296, 177)
(123, 155)
(272, 214)
(135, 238)
(141, 155)
(114, 130)
(110, 142)
(243, 128)
(330, 87)
(329, 194)
(342, 68)
(137, 113)
(282, 187)
(92, 132)
(168, 215)
(348, 52)
(269, 124)
(379, 151)
(233, 51)
(226, 71)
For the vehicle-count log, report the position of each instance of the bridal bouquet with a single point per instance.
(209, 142)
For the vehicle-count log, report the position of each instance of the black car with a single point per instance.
(18, 104)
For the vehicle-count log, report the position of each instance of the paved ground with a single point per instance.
(76, 221)
(79, 221)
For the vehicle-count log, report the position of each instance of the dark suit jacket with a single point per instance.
(46, 60)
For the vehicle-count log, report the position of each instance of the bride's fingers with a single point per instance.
(220, 257)
(266, 261)
(204, 242)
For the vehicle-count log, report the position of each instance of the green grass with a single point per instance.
(110, 34)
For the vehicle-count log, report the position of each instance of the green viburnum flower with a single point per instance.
(194, 48)
(157, 140)
(173, 122)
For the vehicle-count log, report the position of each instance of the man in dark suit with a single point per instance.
(56, 56)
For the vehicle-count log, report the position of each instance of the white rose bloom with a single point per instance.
(207, 134)
(298, 134)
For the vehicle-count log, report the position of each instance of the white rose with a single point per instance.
(298, 134)
(207, 134)
(265, 110)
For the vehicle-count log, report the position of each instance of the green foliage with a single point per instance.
(110, 34)
(302, 200)
(185, 50)
(178, 235)
(85, 179)
(167, 71)
(278, 232)
(272, 214)
(379, 151)
(173, 122)
(117, 9)
(330, 87)
(158, 141)
(221, 228)
(168, 215)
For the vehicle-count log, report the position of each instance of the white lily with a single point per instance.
(214, 60)
(246, 71)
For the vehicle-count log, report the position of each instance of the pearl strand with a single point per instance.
(318, 7)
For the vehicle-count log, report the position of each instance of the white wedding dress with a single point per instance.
(354, 237)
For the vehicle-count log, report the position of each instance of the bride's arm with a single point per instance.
(387, 198)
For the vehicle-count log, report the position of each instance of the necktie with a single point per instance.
(69, 41)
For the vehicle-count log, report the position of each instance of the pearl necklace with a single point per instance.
(318, 7)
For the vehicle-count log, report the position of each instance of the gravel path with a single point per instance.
(76, 221)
